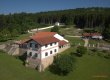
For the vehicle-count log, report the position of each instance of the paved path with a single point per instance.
(38, 29)
(73, 36)
(86, 42)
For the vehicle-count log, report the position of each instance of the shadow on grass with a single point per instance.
(23, 57)
(76, 54)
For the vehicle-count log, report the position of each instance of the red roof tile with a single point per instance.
(45, 40)
(45, 37)
(91, 34)
(62, 43)
(44, 34)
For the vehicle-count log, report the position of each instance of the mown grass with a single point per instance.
(70, 30)
(86, 68)
(74, 41)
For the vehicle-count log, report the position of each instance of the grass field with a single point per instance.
(86, 68)
(70, 30)
(75, 40)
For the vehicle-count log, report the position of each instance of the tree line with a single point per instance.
(15, 24)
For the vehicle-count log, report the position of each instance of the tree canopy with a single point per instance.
(81, 17)
(63, 64)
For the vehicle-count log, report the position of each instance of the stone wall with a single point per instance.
(47, 61)
(63, 48)
(2, 46)
(22, 51)
(32, 63)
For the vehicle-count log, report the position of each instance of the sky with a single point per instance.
(32, 6)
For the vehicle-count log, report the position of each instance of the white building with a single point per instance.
(57, 24)
(42, 48)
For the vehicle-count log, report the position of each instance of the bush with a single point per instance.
(107, 56)
(81, 50)
(63, 64)
(55, 29)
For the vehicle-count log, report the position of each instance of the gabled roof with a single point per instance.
(44, 34)
(45, 37)
(45, 40)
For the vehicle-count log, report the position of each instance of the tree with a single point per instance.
(5, 35)
(63, 64)
(106, 32)
(81, 50)
(14, 33)
(55, 29)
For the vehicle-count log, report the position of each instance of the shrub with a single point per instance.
(81, 50)
(63, 64)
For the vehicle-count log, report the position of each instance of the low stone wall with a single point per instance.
(2, 46)
(47, 61)
(64, 48)
(33, 63)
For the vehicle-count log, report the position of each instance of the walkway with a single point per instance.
(73, 36)
(38, 29)
(86, 42)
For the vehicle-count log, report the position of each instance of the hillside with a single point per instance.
(87, 67)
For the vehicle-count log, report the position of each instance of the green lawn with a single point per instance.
(70, 30)
(75, 40)
(23, 36)
(86, 68)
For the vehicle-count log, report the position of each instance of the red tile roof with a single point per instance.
(62, 43)
(45, 40)
(44, 34)
(45, 37)
(91, 34)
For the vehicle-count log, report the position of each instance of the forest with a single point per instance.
(13, 25)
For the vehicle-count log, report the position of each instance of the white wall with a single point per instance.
(33, 49)
(97, 37)
(33, 53)
(60, 37)
(48, 49)
(53, 45)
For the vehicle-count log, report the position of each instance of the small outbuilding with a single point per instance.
(92, 35)
(57, 24)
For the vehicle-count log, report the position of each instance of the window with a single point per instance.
(55, 50)
(59, 46)
(30, 44)
(46, 54)
(35, 55)
(50, 52)
(36, 45)
(30, 54)
(50, 44)
(55, 43)
(46, 45)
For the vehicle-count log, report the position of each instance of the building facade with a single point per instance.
(42, 48)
